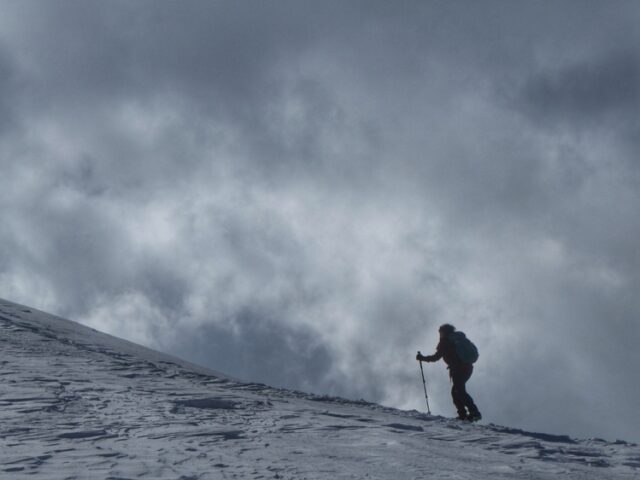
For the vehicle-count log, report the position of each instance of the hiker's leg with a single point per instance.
(466, 398)
(469, 403)
(458, 394)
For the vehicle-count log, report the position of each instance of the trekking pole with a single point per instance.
(424, 384)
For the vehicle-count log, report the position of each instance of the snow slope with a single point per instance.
(76, 403)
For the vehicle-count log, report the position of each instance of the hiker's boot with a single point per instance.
(474, 416)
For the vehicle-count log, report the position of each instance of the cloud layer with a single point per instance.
(300, 193)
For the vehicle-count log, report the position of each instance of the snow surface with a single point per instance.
(77, 403)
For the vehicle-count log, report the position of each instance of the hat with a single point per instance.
(447, 328)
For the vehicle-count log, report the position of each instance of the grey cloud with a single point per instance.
(9, 90)
(218, 55)
(587, 93)
(263, 349)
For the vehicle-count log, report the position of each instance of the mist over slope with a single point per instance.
(77, 403)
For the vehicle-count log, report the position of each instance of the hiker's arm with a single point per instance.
(431, 358)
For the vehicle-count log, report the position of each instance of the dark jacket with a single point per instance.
(446, 350)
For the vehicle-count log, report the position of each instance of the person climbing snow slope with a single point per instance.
(459, 354)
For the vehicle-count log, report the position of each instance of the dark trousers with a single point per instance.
(461, 399)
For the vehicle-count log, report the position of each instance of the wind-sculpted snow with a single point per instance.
(78, 404)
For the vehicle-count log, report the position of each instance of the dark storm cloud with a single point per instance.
(299, 193)
(260, 347)
(587, 93)
(8, 91)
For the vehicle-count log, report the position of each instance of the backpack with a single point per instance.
(466, 350)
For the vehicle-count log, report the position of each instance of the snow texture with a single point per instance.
(78, 404)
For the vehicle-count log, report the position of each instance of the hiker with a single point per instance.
(460, 371)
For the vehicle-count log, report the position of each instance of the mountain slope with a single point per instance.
(76, 403)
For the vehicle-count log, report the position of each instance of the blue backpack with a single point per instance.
(466, 350)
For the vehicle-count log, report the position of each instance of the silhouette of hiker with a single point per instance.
(459, 372)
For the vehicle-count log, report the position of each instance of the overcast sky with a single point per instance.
(300, 193)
